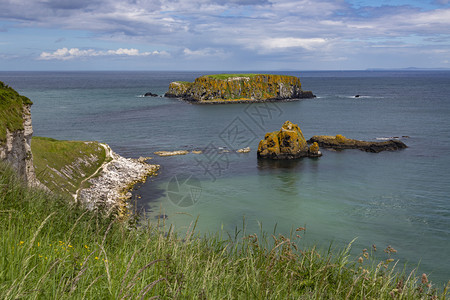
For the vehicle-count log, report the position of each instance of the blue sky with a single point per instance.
(223, 35)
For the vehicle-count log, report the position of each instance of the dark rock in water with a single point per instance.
(150, 94)
(161, 217)
(307, 94)
(287, 143)
(339, 142)
(357, 96)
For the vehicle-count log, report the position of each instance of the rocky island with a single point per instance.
(286, 143)
(238, 88)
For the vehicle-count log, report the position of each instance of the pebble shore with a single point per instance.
(111, 187)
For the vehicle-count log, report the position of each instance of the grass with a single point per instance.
(226, 76)
(54, 249)
(63, 165)
(11, 110)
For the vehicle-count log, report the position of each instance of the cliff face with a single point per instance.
(16, 132)
(256, 87)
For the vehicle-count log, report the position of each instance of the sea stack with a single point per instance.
(286, 143)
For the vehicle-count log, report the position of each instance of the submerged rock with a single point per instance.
(171, 153)
(287, 143)
(341, 142)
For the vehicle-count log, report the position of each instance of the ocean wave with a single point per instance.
(358, 97)
(392, 138)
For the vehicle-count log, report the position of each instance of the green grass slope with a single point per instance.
(63, 165)
(11, 110)
(51, 248)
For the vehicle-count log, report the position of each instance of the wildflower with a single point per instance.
(39, 244)
(70, 246)
(21, 242)
(360, 260)
(85, 246)
(96, 257)
(424, 278)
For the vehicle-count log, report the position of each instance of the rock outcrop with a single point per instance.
(16, 132)
(150, 94)
(171, 153)
(339, 142)
(111, 187)
(287, 143)
(226, 88)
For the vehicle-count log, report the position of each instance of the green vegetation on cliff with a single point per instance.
(238, 87)
(11, 110)
(227, 76)
(62, 166)
(54, 249)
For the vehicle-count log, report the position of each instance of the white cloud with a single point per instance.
(204, 52)
(240, 31)
(290, 42)
(67, 54)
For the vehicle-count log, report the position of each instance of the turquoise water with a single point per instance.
(389, 198)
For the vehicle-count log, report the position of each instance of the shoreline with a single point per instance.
(231, 101)
(110, 185)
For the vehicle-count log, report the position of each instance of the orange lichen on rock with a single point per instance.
(340, 138)
(286, 143)
(339, 142)
(257, 87)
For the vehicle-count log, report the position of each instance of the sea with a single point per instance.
(372, 200)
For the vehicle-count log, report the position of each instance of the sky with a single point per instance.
(223, 35)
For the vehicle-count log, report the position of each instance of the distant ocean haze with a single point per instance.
(389, 198)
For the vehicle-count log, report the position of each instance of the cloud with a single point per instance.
(442, 2)
(242, 30)
(280, 43)
(68, 54)
(204, 52)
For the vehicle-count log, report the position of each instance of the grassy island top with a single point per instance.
(11, 110)
(226, 76)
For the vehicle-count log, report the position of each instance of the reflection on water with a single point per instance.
(275, 164)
